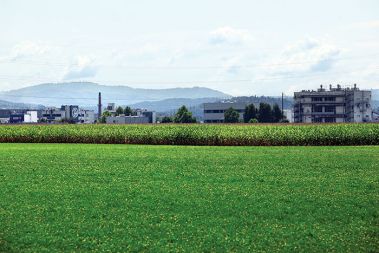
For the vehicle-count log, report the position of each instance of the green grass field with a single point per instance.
(117, 198)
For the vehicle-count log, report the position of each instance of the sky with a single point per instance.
(240, 47)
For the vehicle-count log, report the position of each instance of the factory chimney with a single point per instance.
(99, 107)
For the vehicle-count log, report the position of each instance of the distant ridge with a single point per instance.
(11, 105)
(85, 93)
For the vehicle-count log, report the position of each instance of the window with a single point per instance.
(316, 99)
(214, 111)
(317, 109)
(330, 109)
(330, 99)
(330, 120)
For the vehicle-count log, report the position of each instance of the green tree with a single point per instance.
(276, 113)
(231, 116)
(104, 116)
(166, 119)
(264, 113)
(119, 111)
(253, 121)
(184, 116)
(128, 111)
(250, 113)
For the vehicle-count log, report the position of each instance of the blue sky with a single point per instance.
(239, 47)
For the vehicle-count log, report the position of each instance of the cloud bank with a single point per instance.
(83, 68)
(229, 35)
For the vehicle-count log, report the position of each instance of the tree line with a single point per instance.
(263, 114)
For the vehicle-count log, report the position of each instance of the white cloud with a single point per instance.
(28, 48)
(308, 55)
(83, 68)
(229, 35)
(372, 24)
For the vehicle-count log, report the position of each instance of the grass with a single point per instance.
(197, 134)
(117, 198)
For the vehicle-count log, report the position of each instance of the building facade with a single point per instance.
(27, 117)
(214, 112)
(86, 116)
(31, 117)
(19, 116)
(53, 114)
(16, 118)
(333, 105)
(127, 120)
(142, 117)
(68, 112)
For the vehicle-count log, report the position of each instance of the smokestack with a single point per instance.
(99, 106)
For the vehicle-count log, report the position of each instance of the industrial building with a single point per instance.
(214, 112)
(18, 116)
(86, 116)
(334, 105)
(68, 112)
(27, 117)
(111, 107)
(141, 117)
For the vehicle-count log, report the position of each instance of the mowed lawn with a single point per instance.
(117, 198)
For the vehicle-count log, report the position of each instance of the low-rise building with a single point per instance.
(27, 117)
(142, 117)
(122, 119)
(333, 105)
(375, 116)
(86, 116)
(53, 114)
(19, 116)
(214, 112)
(68, 112)
(111, 107)
(31, 117)
(16, 118)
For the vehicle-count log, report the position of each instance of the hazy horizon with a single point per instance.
(239, 47)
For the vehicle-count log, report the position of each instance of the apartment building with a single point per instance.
(214, 112)
(334, 105)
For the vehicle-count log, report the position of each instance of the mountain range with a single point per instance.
(86, 93)
(11, 105)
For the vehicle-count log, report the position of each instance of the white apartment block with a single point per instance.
(333, 105)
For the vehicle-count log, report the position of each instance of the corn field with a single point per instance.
(196, 134)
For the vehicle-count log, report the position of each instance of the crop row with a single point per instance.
(196, 134)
